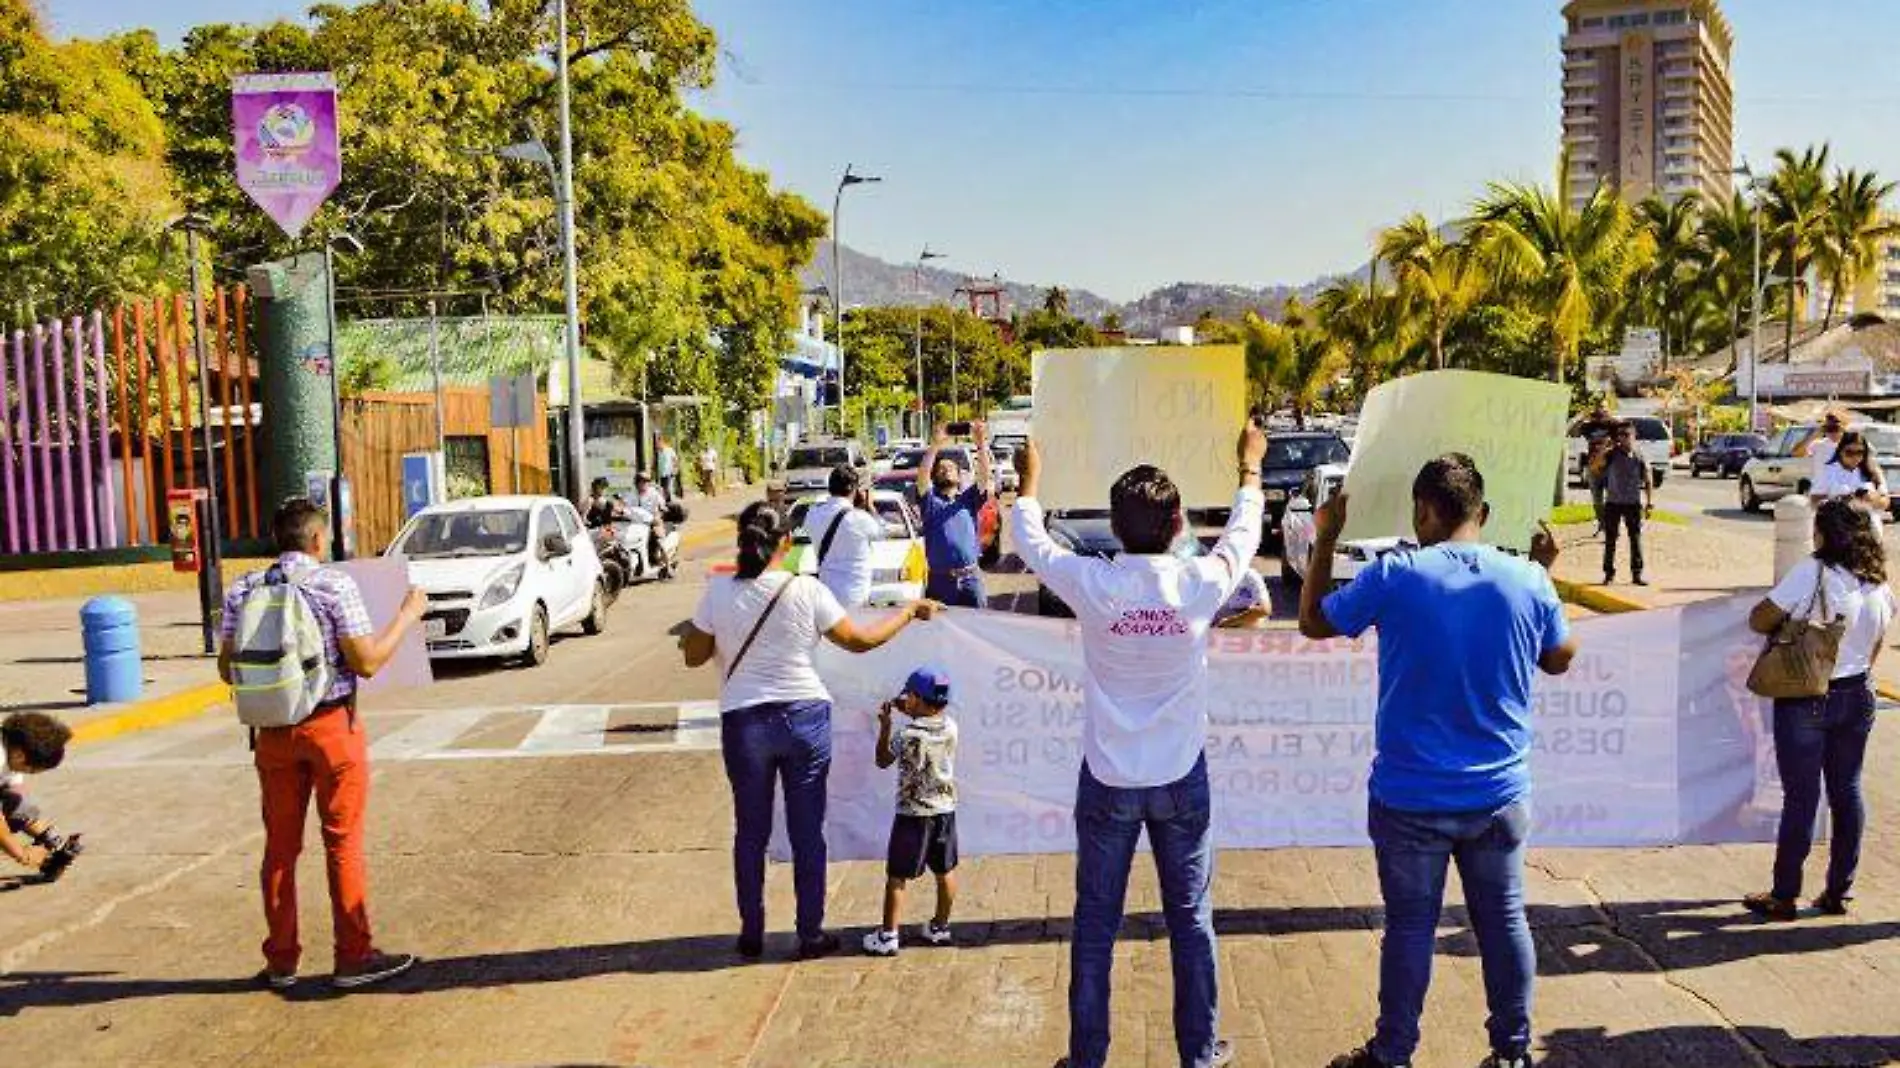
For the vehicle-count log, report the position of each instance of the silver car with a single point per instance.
(808, 468)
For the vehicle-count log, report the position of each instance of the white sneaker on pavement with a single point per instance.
(935, 934)
(881, 943)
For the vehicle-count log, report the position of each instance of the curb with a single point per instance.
(1601, 600)
(720, 530)
(152, 714)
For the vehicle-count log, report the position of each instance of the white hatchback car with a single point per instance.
(502, 575)
(1298, 532)
(897, 560)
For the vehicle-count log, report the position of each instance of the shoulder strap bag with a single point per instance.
(824, 547)
(1798, 660)
(771, 605)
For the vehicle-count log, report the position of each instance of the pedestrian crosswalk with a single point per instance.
(443, 734)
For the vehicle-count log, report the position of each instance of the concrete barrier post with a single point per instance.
(1794, 533)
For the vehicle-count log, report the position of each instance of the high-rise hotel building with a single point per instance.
(1649, 106)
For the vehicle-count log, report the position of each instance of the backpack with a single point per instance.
(279, 672)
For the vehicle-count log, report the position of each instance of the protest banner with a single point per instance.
(385, 582)
(1100, 412)
(1512, 427)
(1650, 740)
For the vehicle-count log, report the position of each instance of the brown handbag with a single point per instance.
(1798, 660)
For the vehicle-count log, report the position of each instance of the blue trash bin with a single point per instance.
(114, 673)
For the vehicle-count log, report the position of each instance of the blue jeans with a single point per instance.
(1414, 850)
(1816, 739)
(1108, 821)
(964, 592)
(790, 742)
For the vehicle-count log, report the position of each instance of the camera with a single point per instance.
(958, 429)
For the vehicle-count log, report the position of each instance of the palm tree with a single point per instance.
(1293, 360)
(1366, 326)
(1666, 285)
(1854, 228)
(1441, 278)
(1725, 260)
(1797, 209)
(1055, 301)
(1573, 264)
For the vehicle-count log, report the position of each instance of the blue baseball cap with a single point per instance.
(929, 686)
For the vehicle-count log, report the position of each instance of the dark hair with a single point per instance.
(760, 533)
(1867, 466)
(1623, 427)
(296, 524)
(1848, 541)
(844, 480)
(1451, 487)
(597, 485)
(40, 738)
(1144, 507)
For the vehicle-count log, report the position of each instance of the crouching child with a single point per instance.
(924, 833)
(35, 743)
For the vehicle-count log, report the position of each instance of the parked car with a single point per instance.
(1296, 555)
(902, 479)
(1726, 454)
(502, 574)
(898, 569)
(1086, 532)
(808, 468)
(1290, 458)
(1653, 444)
(1788, 469)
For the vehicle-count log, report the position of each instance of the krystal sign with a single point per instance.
(285, 130)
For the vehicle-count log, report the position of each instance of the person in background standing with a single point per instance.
(709, 470)
(1852, 473)
(1821, 449)
(1463, 629)
(667, 464)
(950, 521)
(1628, 498)
(1824, 739)
(1599, 451)
(843, 530)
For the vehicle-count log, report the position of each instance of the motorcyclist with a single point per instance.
(601, 509)
(647, 498)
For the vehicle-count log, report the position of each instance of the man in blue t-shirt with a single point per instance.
(949, 512)
(1462, 630)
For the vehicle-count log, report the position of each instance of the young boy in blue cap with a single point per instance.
(924, 833)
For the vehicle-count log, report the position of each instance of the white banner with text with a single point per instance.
(1650, 740)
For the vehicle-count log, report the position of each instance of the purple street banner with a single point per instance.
(285, 131)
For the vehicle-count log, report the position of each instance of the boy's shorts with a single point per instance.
(922, 843)
(17, 810)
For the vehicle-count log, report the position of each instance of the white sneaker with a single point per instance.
(934, 934)
(881, 943)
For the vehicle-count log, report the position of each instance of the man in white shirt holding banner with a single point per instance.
(1144, 619)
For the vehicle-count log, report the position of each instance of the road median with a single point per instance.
(151, 714)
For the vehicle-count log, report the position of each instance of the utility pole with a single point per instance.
(837, 276)
(337, 549)
(210, 577)
(576, 460)
(917, 353)
(435, 371)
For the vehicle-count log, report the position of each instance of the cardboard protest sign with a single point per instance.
(384, 581)
(1512, 427)
(1100, 412)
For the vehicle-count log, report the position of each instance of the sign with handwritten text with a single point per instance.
(1100, 412)
(1512, 427)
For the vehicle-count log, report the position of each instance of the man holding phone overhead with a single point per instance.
(949, 512)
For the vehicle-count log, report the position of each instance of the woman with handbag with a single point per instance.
(763, 624)
(1826, 621)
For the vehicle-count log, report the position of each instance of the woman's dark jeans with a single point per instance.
(790, 742)
(1817, 740)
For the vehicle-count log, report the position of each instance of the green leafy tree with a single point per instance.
(1665, 287)
(1799, 199)
(1292, 362)
(1855, 227)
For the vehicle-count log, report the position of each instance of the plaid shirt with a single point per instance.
(335, 599)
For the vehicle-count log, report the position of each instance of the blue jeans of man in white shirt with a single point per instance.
(1108, 822)
(1413, 850)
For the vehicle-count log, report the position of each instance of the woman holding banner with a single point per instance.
(775, 714)
(1824, 739)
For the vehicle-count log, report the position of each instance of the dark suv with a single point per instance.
(1726, 454)
(1290, 456)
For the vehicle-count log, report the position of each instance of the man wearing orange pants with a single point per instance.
(326, 755)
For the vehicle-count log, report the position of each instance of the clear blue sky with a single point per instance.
(1122, 144)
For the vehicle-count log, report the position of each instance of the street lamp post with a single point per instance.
(338, 549)
(1754, 333)
(576, 460)
(917, 352)
(837, 275)
(210, 579)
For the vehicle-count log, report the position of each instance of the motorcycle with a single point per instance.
(616, 564)
(659, 557)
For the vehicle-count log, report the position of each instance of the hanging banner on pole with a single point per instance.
(285, 131)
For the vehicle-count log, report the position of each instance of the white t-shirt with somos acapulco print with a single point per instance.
(1144, 623)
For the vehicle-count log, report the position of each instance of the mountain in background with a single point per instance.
(872, 282)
